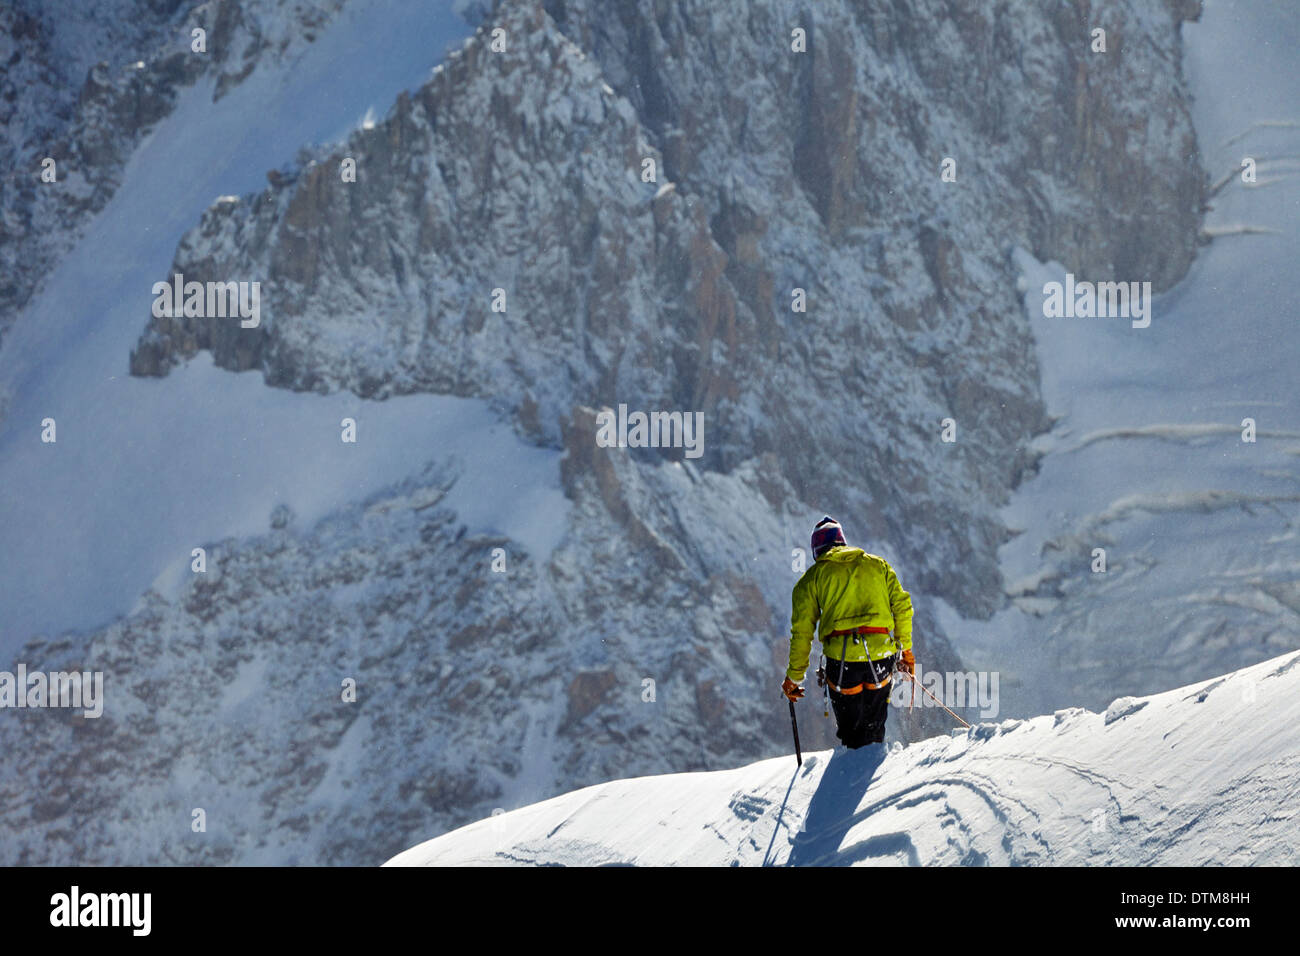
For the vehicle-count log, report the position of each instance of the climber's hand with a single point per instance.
(907, 663)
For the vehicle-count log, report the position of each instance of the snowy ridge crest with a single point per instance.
(1202, 775)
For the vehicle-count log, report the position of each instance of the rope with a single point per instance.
(926, 691)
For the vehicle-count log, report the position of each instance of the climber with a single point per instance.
(858, 602)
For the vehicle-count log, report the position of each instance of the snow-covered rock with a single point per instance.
(521, 170)
(1161, 535)
(84, 84)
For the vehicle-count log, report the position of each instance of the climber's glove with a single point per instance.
(907, 663)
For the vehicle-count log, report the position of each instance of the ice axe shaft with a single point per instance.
(794, 726)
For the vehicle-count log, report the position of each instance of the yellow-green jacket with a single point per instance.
(847, 588)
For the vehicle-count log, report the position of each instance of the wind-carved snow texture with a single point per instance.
(1206, 775)
(643, 634)
(1201, 529)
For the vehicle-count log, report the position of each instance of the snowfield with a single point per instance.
(1146, 459)
(1207, 774)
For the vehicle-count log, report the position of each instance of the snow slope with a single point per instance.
(144, 470)
(1146, 460)
(1205, 774)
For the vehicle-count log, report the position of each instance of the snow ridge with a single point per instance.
(1207, 774)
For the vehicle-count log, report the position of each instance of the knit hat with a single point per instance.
(826, 535)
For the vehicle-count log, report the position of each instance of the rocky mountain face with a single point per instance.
(520, 171)
(83, 84)
(502, 241)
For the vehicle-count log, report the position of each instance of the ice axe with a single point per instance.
(794, 726)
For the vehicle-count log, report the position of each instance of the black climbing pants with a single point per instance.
(860, 718)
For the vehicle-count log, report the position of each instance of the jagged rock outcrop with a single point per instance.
(520, 170)
(83, 86)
